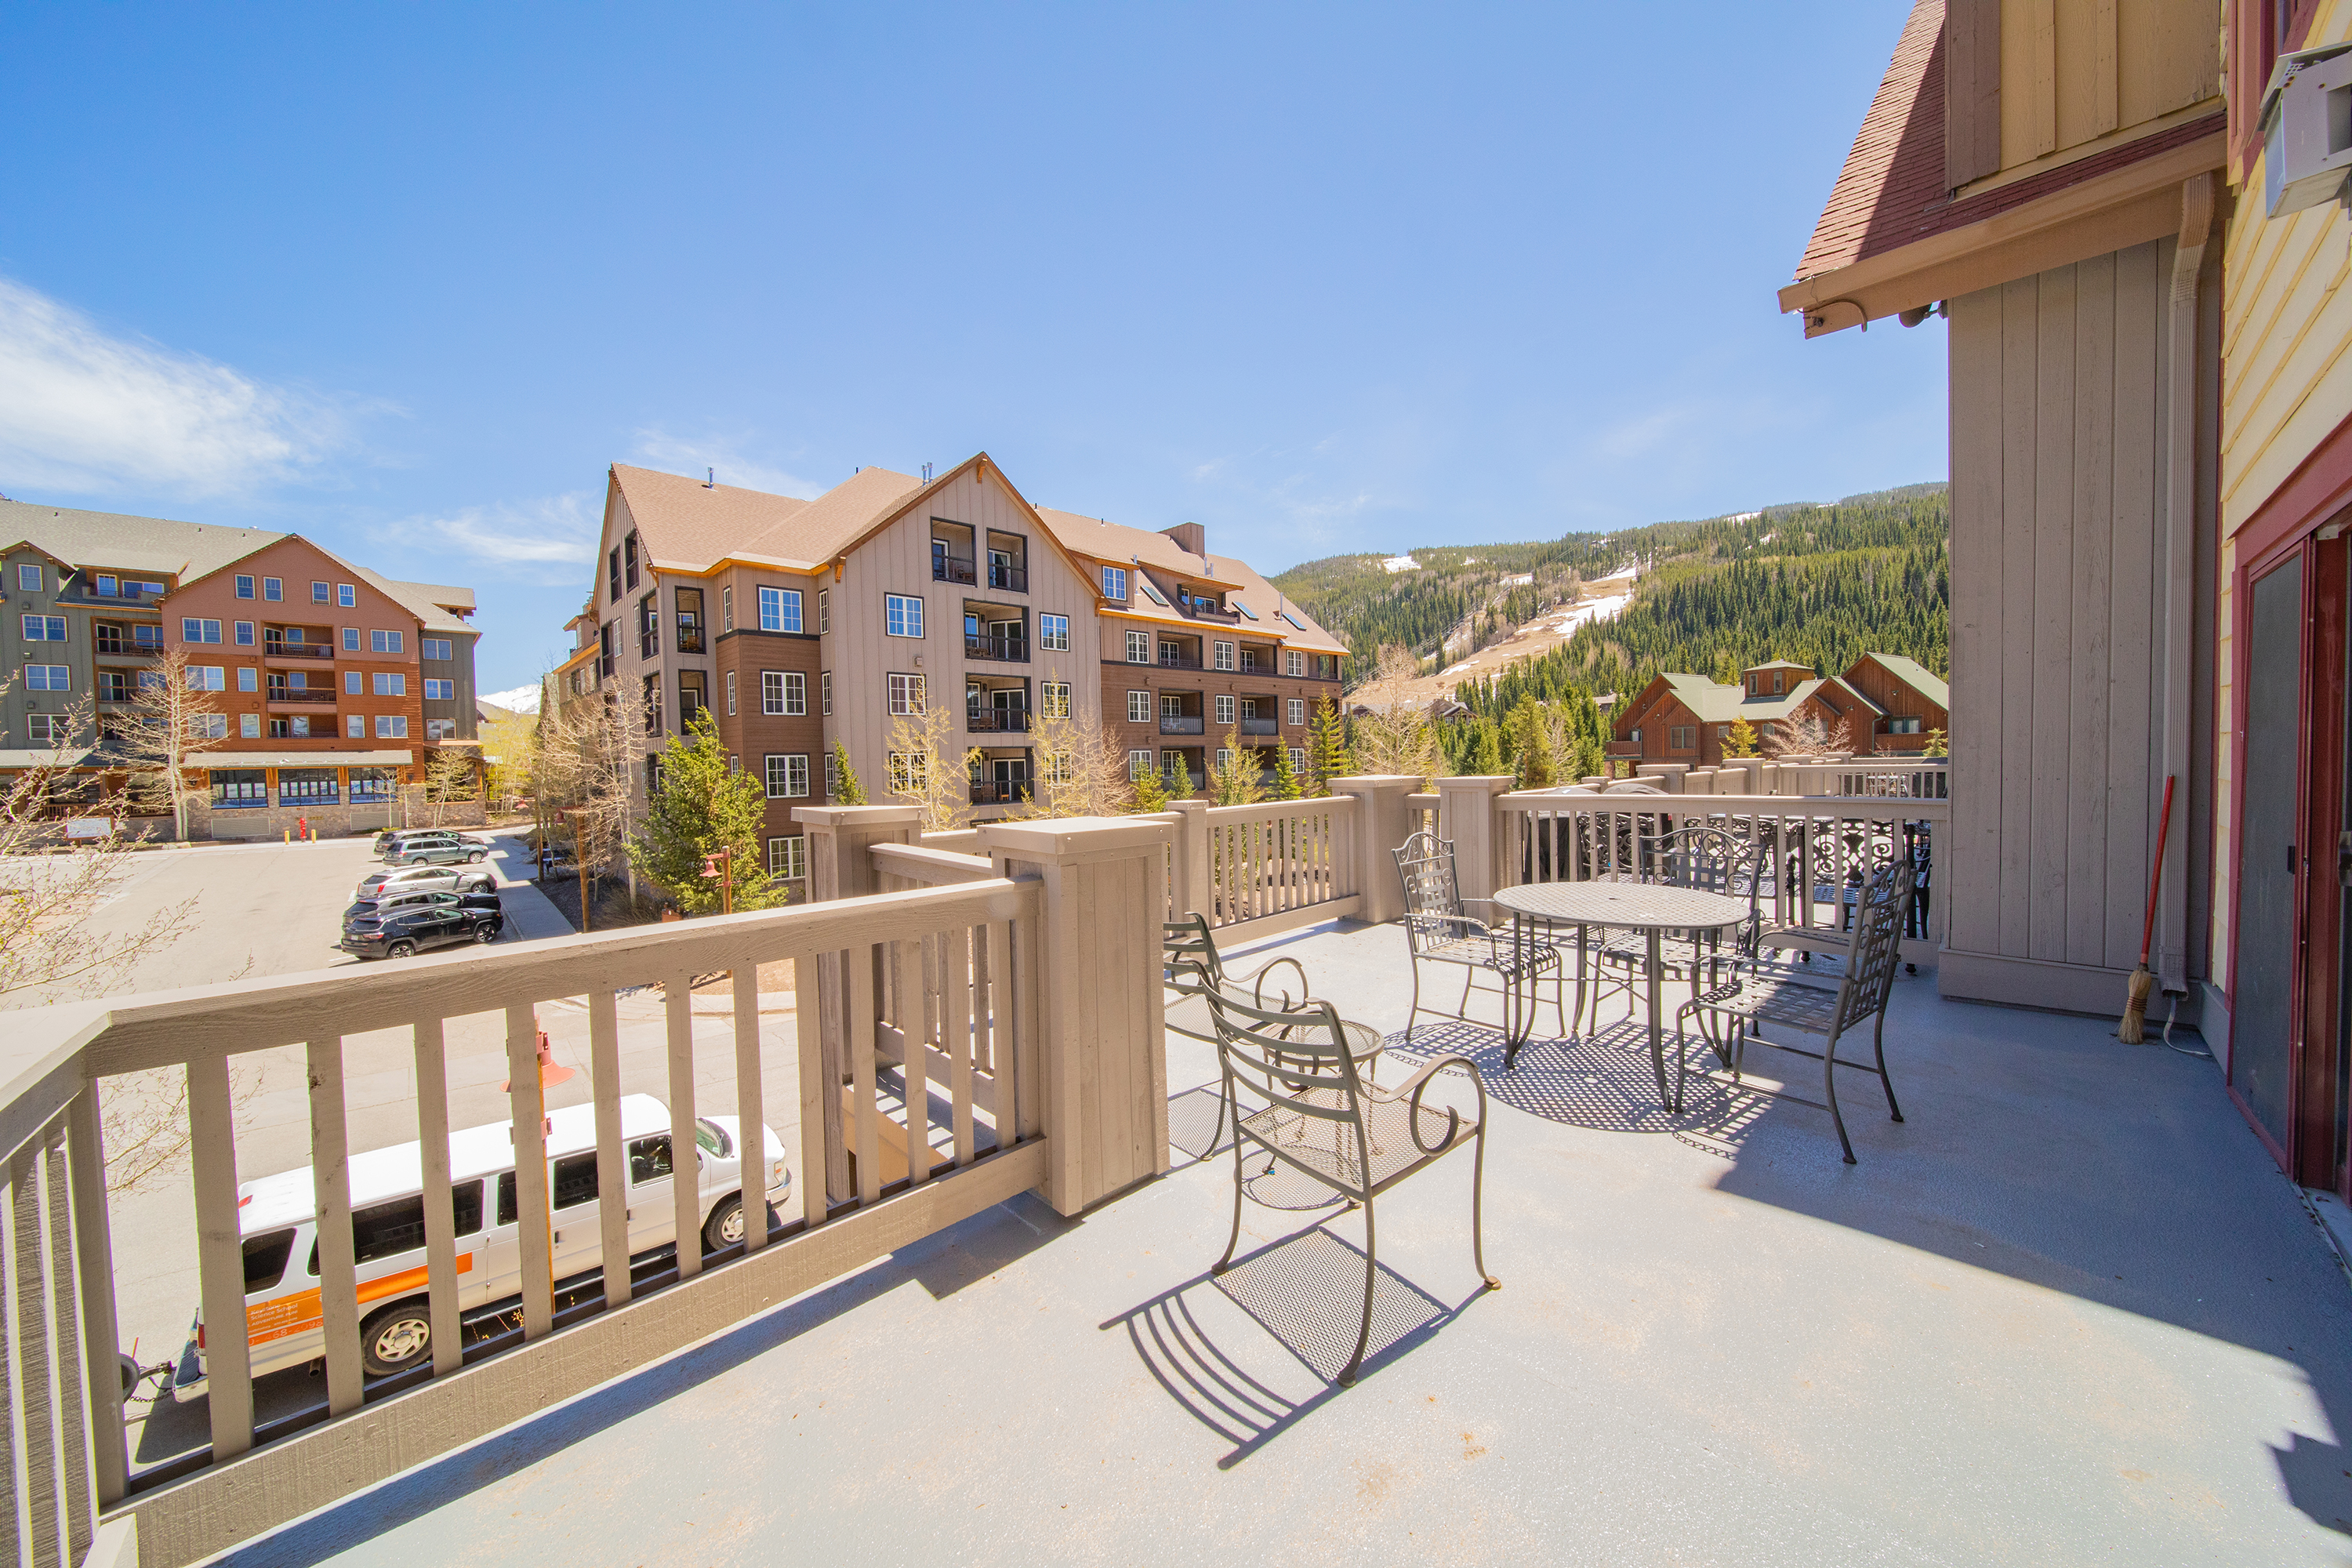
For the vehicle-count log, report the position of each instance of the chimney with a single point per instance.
(1189, 537)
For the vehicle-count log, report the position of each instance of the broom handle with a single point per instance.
(2163, 830)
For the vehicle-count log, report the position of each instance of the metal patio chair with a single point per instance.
(1194, 968)
(1321, 1119)
(1760, 993)
(1712, 860)
(1439, 929)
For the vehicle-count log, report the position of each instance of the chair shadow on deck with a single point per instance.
(1305, 1292)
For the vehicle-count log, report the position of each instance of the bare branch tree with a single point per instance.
(175, 719)
(1392, 735)
(1801, 734)
(1080, 770)
(925, 770)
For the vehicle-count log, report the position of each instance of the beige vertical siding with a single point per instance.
(2075, 74)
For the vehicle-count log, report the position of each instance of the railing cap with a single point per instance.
(839, 816)
(1067, 836)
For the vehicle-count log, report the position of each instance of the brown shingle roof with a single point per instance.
(1121, 545)
(1896, 170)
(685, 523)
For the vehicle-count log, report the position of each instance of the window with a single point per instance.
(727, 607)
(273, 589)
(1138, 708)
(351, 639)
(832, 776)
(1053, 698)
(796, 694)
(1138, 765)
(1139, 648)
(151, 680)
(1294, 663)
(909, 773)
(825, 684)
(787, 776)
(1054, 633)
(771, 691)
(731, 694)
(1298, 711)
(1225, 709)
(629, 559)
(208, 727)
(1054, 768)
(321, 593)
(390, 684)
(1903, 726)
(249, 726)
(687, 604)
(612, 572)
(208, 677)
(780, 609)
(112, 687)
(148, 637)
(439, 691)
(1681, 737)
(353, 681)
(902, 614)
(106, 587)
(906, 693)
(307, 787)
(245, 634)
(434, 647)
(195, 630)
(1172, 705)
(28, 578)
(788, 858)
(244, 587)
(1224, 757)
(49, 677)
(245, 676)
(1114, 579)
(440, 728)
(45, 728)
(391, 727)
(1297, 759)
(823, 610)
(387, 642)
(1225, 655)
(347, 597)
(52, 628)
(357, 727)
(241, 786)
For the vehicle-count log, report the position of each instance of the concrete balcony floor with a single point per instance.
(2069, 1311)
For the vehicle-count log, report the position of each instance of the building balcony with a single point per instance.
(689, 639)
(1009, 579)
(1179, 661)
(1259, 727)
(108, 648)
(954, 569)
(310, 651)
(996, 721)
(990, 792)
(301, 697)
(1179, 724)
(1203, 610)
(1004, 650)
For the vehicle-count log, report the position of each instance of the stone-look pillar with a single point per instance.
(1100, 1025)
(1382, 822)
(1188, 887)
(840, 867)
(1466, 808)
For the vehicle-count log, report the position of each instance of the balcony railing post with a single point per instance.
(1466, 814)
(1098, 1017)
(1189, 890)
(1379, 827)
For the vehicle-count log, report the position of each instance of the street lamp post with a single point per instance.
(720, 868)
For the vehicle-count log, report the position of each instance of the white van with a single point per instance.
(279, 1223)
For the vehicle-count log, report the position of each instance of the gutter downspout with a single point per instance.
(2180, 566)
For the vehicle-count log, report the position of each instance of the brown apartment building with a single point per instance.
(332, 685)
(800, 624)
(1891, 706)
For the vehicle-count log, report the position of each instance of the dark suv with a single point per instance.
(405, 930)
(402, 898)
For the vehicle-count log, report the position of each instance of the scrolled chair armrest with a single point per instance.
(1412, 1089)
(1257, 990)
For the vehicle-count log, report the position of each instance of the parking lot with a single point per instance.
(264, 909)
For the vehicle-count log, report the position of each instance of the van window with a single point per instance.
(466, 1204)
(387, 1229)
(265, 1260)
(709, 1139)
(649, 1159)
(575, 1180)
(507, 1199)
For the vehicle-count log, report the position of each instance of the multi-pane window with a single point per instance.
(1054, 633)
(832, 776)
(1298, 711)
(727, 607)
(145, 635)
(354, 682)
(1681, 737)
(434, 647)
(1139, 648)
(771, 691)
(731, 694)
(1225, 655)
(825, 686)
(244, 587)
(390, 684)
(322, 593)
(1138, 765)
(780, 609)
(906, 693)
(249, 726)
(910, 772)
(247, 677)
(112, 687)
(1903, 726)
(1225, 709)
(208, 677)
(347, 597)
(1053, 698)
(1294, 663)
(208, 726)
(612, 572)
(1225, 757)
(440, 691)
(387, 642)
(49, 677)
(1172, 705)
(351, 639)
(357, 727)
(245, 634)
(787, 775)
(47, 729)
(1297, 759)
(1114, 580)
(796, 694)
(823, 610)
(902, 614)
(52, 628)
(192, 629)
(788, 858)
(391, 727)
(1138, 708)
(28, 579)
(273, 589)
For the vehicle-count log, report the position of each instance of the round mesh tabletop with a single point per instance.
(1638, 906)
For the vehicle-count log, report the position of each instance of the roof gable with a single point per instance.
(1915, 676)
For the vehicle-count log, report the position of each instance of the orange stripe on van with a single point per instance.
(275, 1320)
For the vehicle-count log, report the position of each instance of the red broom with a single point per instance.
(2135, 998)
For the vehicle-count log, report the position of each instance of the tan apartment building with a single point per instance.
(799, 624)
(331, 686)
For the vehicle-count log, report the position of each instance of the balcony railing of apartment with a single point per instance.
(300, 694)
(1179, 723)
(1260, 727)
(996, 721)
(954, 569)
(1178, 660)
(118, 647)
(1011, 579)
(1205, 610)
(1009, 650)
(273, 647)
(990, 792)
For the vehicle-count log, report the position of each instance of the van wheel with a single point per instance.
(725, 1226)
(400, 950)
(396, 1339)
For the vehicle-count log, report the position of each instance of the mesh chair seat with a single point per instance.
(1771, 998)
(1328, 1149)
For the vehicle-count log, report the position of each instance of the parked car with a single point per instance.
(436, 849)
(404, 932)
(279, 1218)
(457, 878)
(392, 835)
(372, 910)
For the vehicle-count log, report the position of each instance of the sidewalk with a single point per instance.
(530, 913)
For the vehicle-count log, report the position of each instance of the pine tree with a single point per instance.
(848, 791)
(1484, 756)
(1327, 747)
(1286, 780)
(699, 810)
(1939, 745)
(1530, 747)
(1151, 794)
(1235, 781)
(1742, 742)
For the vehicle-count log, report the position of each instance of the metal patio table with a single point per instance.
(1651, 907)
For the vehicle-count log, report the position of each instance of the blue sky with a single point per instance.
(1324, 280)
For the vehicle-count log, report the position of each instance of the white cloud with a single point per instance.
(722, 456)
(550, 531)
(84, 412)
(518, 699)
